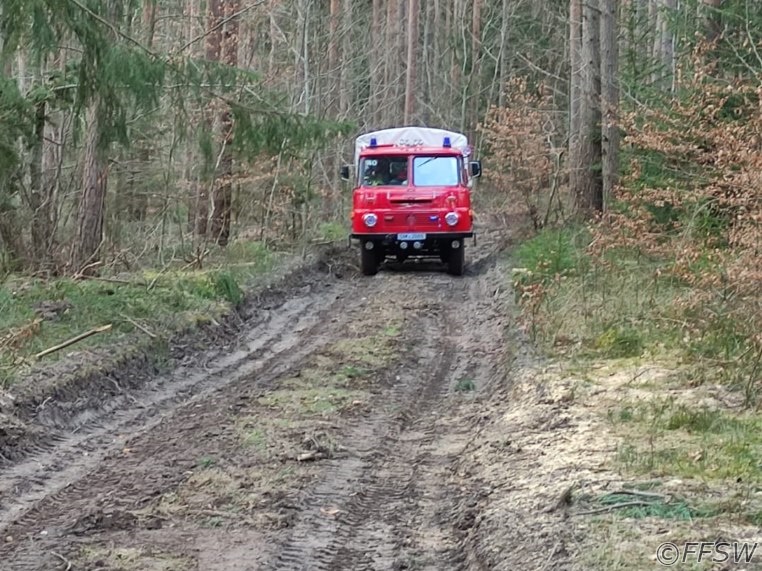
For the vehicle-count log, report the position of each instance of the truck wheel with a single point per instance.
(456, 260)
(369, 261)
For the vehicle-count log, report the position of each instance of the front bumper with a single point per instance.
(434, 244)
(392, 238)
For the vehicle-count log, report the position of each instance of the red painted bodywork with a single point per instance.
(410, 208)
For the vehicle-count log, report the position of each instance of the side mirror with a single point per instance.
(344, 172)
(476, 169)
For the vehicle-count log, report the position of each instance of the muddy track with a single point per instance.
(368, 489)
(382, 502)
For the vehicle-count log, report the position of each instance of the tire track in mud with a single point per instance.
(363, 485)
(386, 511)
(408, 519)
(63, 492)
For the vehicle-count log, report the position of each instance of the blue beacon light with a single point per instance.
(373, 142)
(447, 143)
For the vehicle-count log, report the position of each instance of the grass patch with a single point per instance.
(465, 386)
(161, 302)
(332, 231)
(620, 310)
(310, 401)
(256, 438)
(351, 373)
(206, 462)
(553, 252)
(625, 304)
(370, 352)
(225, 495)
(620, 342)
(676, 509)
(668, 439)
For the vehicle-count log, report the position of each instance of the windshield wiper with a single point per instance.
(427, 162)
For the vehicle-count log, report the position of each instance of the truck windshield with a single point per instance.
(382, 171)
(435, 171)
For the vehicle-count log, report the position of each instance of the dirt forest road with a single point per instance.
(335, 433)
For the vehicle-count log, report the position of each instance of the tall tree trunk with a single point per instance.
(438, 59)
(333, 57)
(37, 191)
(390, 69)
(213, 44)
(476, 32)
(712, 20)
(588, 190)
(54, 143)
(192, 12)
(575, 89)
(475, 72)
(346, 87)
(503, 53)
(410, 76)
(273, 39)
(139, 200)
(663, 49)
(609, 97)
(91, 204)
(223, 189)
(454, 30)
(376, 59)
(400, 54)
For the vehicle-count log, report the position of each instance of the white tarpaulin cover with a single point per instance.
(424, 136)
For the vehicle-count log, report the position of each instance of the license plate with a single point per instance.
(420, 236)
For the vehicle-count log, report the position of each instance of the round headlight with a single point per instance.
(370, 219)
(452, 218)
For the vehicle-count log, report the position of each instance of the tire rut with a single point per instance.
(165, 434)
(369, 489)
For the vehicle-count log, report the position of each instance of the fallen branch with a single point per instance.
(615, 507)
(312, 455)
(109, 280)
(155, 280)
(78, 275)
(136, 324)
(73, 340)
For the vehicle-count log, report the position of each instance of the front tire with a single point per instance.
(456, 260)
(369, 261)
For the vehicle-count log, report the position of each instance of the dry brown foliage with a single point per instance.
(705, 216)
(520, 140)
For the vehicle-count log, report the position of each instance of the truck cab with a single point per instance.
(412, 196)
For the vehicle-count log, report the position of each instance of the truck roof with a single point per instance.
(397, 150)
(419, 137)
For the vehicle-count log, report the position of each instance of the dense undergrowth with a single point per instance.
(674, 268)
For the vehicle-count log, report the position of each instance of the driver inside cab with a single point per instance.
(398, 172)
(373, 174)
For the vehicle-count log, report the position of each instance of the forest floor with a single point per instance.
(394, 422)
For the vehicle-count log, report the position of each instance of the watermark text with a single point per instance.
(735, 553)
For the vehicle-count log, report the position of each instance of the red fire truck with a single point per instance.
(412, 196)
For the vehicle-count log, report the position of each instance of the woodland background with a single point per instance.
(167, 135)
